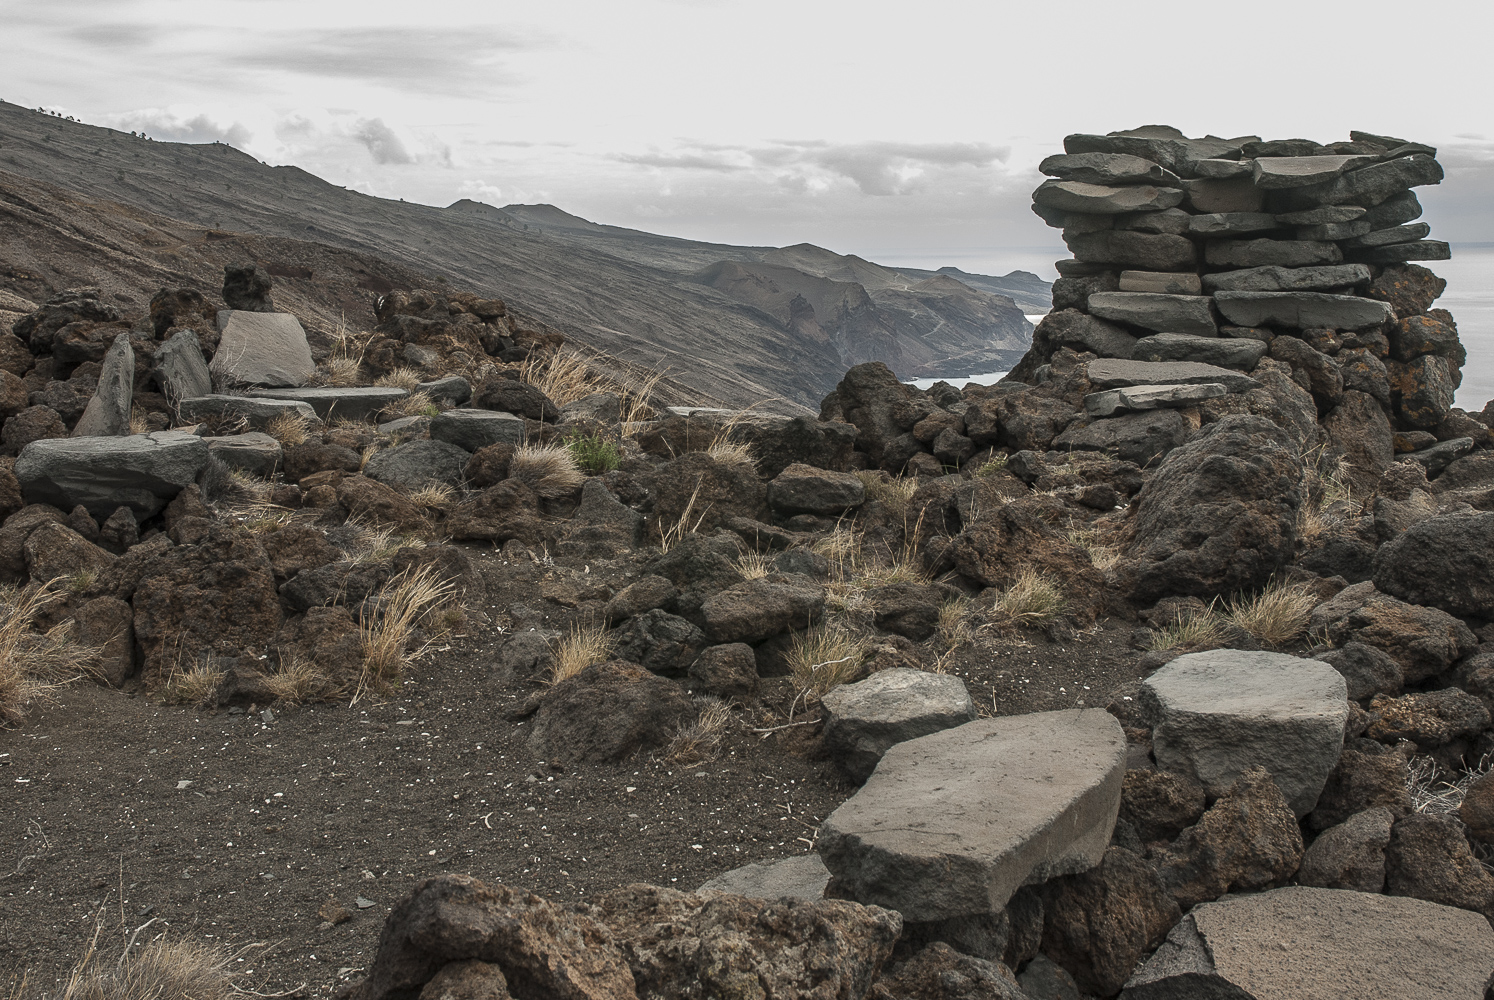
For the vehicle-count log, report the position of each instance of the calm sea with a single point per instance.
(1469, 297)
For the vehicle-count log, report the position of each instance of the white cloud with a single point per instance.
(383, 145)
(166, 126)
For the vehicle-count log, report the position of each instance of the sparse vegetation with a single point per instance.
(408, 379)
(577, 650)
(1275, 616)
(137, 421)
(299, 682)
(990, 467)
(753, 565)
(594, 453)
(33, 663)
(434, 495)
(955, 629)
(1203, 630)
(700, 741)
(1032, 600)
(563, 377)
(734, 454)
(411, 601)
(164, 969)
(670, 535)
(825, 657)
(1437, 791)
(893, 492)
(1103, 555)
(415, 404)
(288, 428)
(193, 686)
(547, 469)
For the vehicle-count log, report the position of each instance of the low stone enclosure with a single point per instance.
(1234, 434)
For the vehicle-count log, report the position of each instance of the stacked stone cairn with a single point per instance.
(1228, 252)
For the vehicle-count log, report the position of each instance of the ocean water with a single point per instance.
(1469, 297)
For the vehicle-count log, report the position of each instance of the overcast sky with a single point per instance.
(908, 133)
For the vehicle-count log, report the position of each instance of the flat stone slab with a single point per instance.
(1107, 168)
(1132, 437)
(257, 413)
(1165, 282)
(1226, 352)
(1274, 278)
(1386, 237)
(255, 453)
(1149, 397)
(474, 429)
(1100, 199)
(952, 824)
(1302, 310)
(801, 877)
(1173, 313)
(144, 472)
(864, 719)
(1278, 172)
(1261, 253)
(1117, 373)
(1231, 223)
(1322, 215)
(1215, 715)
(257, 348)
(1402, 252)
(1300, 943)
(333, 402)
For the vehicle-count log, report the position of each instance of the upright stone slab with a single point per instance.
(1323, 944)
(952, 824)
(336, 402)
(262, 348)
(1116, 373)
(864, 719)
(801, 877)
(1214, 715)
(144, 472)
(180, 371)
(108, 412)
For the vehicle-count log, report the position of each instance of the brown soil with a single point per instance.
(243, 828)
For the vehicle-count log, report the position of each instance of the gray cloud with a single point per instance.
(681, 161)
(383, 145)
(458, 62)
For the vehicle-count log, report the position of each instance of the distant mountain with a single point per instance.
(732, 324)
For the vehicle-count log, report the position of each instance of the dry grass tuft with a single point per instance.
(1104, 556)
(700, 741)
(671, 535)
(32, 663)
(1203, 630)
(193, 686)
(894, 493)
(754, 565)
(290, 429)
(549, 470)
(563, 377)
(299, 682)
(340, 371)
(824, 658)
(415, 404)
(990, 466)
(411, 601)
(1437, 791)
(733, 454)
(137, 421)
(375, 542)
(408, 379)
(1275, 616)
(164, 969)
(1033, 600)
(436, 495)
(577, 650)
(955, 629)
(635, 396)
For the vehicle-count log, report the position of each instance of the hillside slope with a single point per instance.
(629, 293)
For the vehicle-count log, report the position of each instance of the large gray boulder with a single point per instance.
(952, 824)
(1446, 562)
(261, 348)
(333, 402)
(475, 429)
(1323, 944)
(180, 370)
(143, 472)
(1215, 715)
(803, 876)
(864, 719)
(803, 489)
(108, 412)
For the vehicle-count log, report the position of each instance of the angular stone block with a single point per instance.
(1277, 172)
(864, 719)
(108, 412)
(1174, 313)
(1100, 199)
(1165, 282)
(257, 413)
(801, 877)
(180, 370)
(144, 472)
(1226, 352)
(1302, 310)
(255, 453)
(952, 824)
(474, 429)
(1214, 715)
(1132, 437)
(1401, 253)
(1320, 943)
(1149, 397)
(262, 348)
(1231, 223)
(333, 402)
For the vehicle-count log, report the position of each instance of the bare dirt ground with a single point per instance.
(290, 834)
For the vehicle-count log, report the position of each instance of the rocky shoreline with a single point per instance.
(1235, 431)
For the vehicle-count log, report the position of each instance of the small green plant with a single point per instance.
(991, 466)
(80, 582)
(594, 453)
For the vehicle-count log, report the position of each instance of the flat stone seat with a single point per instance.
(256, 348)
(801, 877)
(474, 429)
(1118, 373)
(1225, 352)
(255, 453)
(1302, 310)
(257, 413)
(864, 719)
(953, 823)
(333, 402)
(1154, 311)
(144, 472)
(1214, 715)
(1274, 278)
(1150, 397)
(1323, 944)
